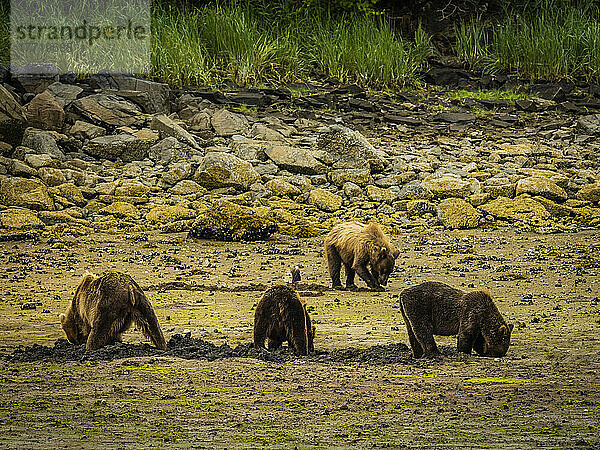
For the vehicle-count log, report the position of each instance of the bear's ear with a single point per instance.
(396, 253)
(510, 327)
(62, 318)
(503, 330)
(383, 252)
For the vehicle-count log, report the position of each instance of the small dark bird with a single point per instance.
(295, 276)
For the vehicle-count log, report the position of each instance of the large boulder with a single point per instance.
(41, 142)
(125, 146)
(325, 200)
(522, 208)
(541, 186)
(380, 195)
(45, 112)
(348, 149)
(34, 77)
(590, 192)
(13, 118)
(19, 218)
(108, 111)
(457, 213)
(448, 186)
(282, 188)
(84, 130)
(295, 159)
(227, 221)
(226, 123)
(218, 169)
(24, 192)
(167, 127)
(165, 214)
(122, 210)
(167, 150)
(361, 177)
(64, 94)
(415, 190)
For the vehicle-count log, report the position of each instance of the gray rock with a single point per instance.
(294, 159)
(124, 146)
(361, 177)
(415, 190)
(352, 190)
(35, 77)
(218, 169)
(41, 160)
(187, 187)
(51, 176)
(250, 150)
(167, 150)
(20, 169)
(590, 124)
(226, 123)
(84, 130)
(45, 112)
(153, 97)
(448, 186)
(108, 110)
(64, 94)
(40, 142)
(13, 118)
(263, 132)
(167, 127)
(349, 149)
(176, 172)
(454, 117)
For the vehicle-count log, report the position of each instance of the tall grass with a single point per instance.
(280, 44)
(4, 34)
(553, 40)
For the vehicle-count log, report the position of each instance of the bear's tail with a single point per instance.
(145, 318)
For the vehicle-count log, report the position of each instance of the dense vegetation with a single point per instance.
(255, 42)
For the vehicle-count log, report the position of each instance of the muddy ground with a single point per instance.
(361, 389)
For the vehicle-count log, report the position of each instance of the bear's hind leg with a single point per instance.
(273, 343)
(415, 345)
(350, 273)
(145, 318)
(334, 262)
(104, 330)
(423, 331)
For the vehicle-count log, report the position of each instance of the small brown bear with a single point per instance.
(104, 307)
(281, 316)
(364, 250)
(436, 308)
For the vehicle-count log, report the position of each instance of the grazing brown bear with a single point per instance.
(364, 250)
(104, 307)
(436, 308)
(281, 316)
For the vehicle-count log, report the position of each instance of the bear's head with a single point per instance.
(496, 343)
(382, 263)
(70, 327)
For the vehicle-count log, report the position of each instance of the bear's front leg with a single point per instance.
(466, 337)
(366, 275)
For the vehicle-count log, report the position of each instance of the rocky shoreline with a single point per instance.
(115, 153)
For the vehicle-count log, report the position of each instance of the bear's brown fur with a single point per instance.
(281, 316)
(364, 250)
(436, 308)
(104, 307)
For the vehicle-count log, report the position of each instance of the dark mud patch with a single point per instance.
(186, 347)
(312, 289)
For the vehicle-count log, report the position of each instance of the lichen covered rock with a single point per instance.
(325, 200)
(24, 192)
(20, 219)
(522, 208)
(227, 221)
(457, 213)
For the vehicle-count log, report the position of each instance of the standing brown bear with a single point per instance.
(281, 316)
(364, 250)
(104, 307)
(436, 308)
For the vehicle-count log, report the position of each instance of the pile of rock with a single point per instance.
(114, 151)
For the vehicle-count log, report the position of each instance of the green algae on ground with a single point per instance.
(499, 380)
(425, 375)
(165, 371)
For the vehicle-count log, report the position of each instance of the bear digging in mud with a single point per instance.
(281, 316)
(364, 250)
(104, 307)
(436, 308)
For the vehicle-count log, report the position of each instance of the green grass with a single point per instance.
(552, 40)
(493, 94)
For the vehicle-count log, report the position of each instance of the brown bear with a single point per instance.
(436, 308)
(281, 316)
(104, 307)
(363, 249)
